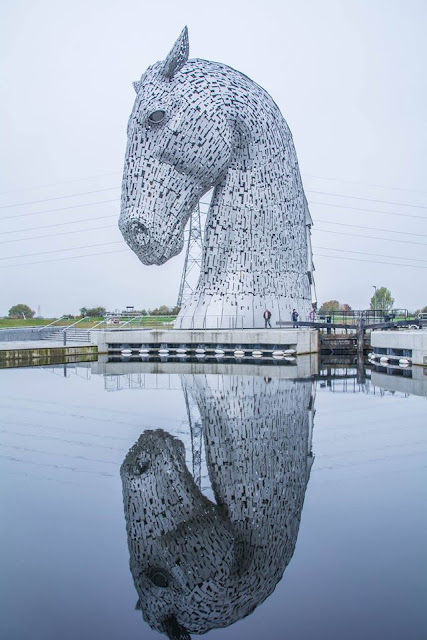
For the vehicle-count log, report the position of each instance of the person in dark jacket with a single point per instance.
(267, 316)
(295, 316)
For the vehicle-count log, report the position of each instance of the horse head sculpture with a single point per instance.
(195, 125)
(198, 564)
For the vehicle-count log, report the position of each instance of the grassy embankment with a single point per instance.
(146, 322)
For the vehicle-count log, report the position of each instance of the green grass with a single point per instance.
(148, 321)
(20, 322)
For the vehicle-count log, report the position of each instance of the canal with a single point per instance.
(145, 500)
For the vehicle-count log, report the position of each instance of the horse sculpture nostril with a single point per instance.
(137, 230)
(137, 227)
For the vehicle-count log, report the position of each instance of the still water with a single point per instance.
(245, 503)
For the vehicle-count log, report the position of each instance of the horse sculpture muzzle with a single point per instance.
(153, 215)
(145, 239)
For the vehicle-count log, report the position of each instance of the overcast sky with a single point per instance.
(349, 77)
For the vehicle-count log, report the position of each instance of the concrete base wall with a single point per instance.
(37, 355)
(415, 340)
(25, 333)
(302, 340)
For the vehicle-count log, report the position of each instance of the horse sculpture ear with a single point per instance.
(177, 56)
(136, 85)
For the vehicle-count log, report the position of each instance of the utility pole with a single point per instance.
(193, 258)
(310, 263)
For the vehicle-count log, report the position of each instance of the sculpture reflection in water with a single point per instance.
(198, 565)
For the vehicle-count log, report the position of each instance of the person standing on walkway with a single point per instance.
(295, 316)
(267, 316)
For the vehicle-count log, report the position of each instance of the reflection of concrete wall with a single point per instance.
(303, 367)
(416, 386)
(198, 565)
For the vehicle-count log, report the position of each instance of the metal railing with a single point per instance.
(216, 322)
(63, 329)
(368, 315)
(124, 320)
(68, 326)
(46, 326)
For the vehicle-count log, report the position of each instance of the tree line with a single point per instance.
(382, 299)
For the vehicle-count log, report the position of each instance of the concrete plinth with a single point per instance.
(303, 341)
(394, 341)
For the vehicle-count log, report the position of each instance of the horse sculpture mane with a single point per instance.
(198, 125)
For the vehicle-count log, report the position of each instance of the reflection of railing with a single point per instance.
(80, 369)
(150, 381)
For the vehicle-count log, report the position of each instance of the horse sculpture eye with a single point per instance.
(157, 116)
(160, 578)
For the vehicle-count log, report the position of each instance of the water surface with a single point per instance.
(300, 503)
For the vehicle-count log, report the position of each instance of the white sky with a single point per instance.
(348, 76)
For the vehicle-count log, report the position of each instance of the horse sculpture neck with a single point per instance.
(255, 249)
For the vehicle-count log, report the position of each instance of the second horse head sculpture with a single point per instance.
(198, 125)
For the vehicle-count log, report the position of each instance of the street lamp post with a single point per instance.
(375, 303)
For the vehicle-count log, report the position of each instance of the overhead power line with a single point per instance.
(102, 253)
(359, 235)
(28, 255)
(87, 255)
(337, 206)
(54, 184)
(306, 175)
(364, 184)
(71, 195)
(387, 213)
(114, 226)
(394, 264)
(57, 224)
(126, 249)
(367, 253)
(74, 206)
(114, 215)
(61, 233)
(341, 195)
(326, 193)
(360, 226)
(40, 253)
